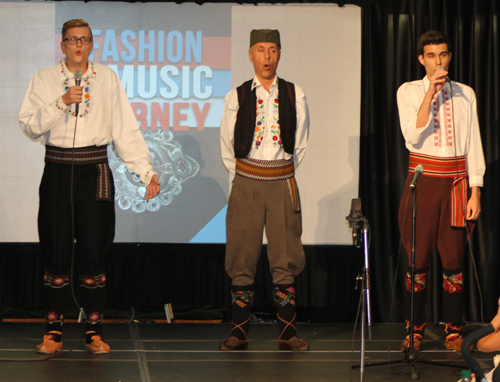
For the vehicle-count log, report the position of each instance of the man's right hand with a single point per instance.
(73, 95)
(437, 81)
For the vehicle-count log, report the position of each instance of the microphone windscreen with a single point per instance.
(447, 78)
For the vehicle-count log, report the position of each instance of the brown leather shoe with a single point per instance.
(454, 342)
(417, 341)
(294, 343)
(233, 343)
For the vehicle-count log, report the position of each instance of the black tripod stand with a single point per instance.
(358, 222)
(410, 354)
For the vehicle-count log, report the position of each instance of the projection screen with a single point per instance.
(176, 63)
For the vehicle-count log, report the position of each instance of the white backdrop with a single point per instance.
(27, 46)
(321, 52)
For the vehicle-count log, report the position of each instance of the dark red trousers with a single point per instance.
(433, 229)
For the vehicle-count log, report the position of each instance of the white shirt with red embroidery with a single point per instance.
(105, 115)
(437, 137)
(266, 144)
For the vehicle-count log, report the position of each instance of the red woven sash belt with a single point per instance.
(454, 167)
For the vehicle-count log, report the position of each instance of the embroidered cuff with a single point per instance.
(59, 104)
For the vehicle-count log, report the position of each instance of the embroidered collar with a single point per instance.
(256, 83)
(66, 76)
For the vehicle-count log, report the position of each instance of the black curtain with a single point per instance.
(391, 29)
(188, 276)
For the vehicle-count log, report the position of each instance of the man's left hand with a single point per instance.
(474, 204)
(153, 188)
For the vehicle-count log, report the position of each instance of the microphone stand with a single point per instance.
(358, 222)
(366, 312)
(410, 353)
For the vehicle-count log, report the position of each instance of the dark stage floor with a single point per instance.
(188, 352)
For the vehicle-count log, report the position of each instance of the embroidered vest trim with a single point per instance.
(247, 113)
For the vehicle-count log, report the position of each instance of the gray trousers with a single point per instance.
(253, 206)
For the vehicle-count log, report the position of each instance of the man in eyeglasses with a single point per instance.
(76, 123)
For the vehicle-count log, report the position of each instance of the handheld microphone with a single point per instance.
(447, 78)
(78, 80)
(418, 171)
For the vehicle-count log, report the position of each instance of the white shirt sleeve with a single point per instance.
(128, 140)
(302, 132)
(476, 165)
(39, 114)
(408, 106)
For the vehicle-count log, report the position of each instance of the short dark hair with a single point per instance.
(74, 24)
(432, 38)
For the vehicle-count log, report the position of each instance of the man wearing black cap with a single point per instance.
(263, 139)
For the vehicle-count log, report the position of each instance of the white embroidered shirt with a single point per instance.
(452, 127)
(105, 115)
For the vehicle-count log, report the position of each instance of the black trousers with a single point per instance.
(94, 230)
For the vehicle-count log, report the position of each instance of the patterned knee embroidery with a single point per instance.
(55, 281)
(242, 298)
(420, 280)
(453, 283)
(283, 298)
(92, 282)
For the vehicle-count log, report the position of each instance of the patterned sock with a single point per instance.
(452, 300)
(93, 292)
(284, 300)
(56, 291)
(418, 301)
(241, 310)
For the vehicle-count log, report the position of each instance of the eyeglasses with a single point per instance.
(74, 40)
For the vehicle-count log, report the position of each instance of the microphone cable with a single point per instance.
(463, 207)
(394, 283)
(81, 314)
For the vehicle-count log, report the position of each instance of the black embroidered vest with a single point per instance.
(247, 113)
